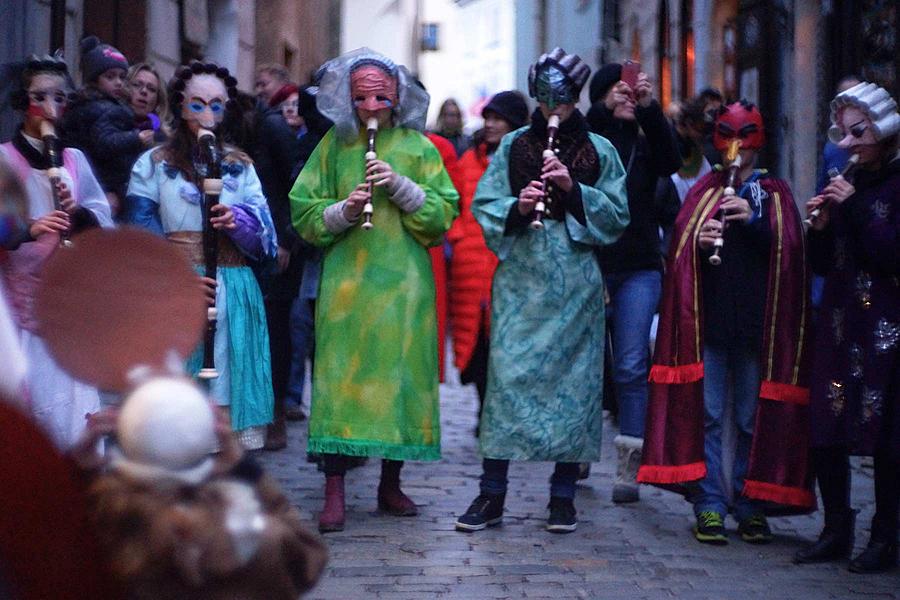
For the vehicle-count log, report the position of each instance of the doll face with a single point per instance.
(47, 98)
(853, 132)
(374, 94)
(204, 102)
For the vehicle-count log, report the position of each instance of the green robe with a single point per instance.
(375, 385)
(545, 370)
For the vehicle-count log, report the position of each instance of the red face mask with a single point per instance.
(739, 122)
(372, 89)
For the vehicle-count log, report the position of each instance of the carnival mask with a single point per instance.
(739, 121)
(853, 128)
(552, 87)
(204, 102)
(47, 97)
(372, 88)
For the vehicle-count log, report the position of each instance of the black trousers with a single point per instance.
(832, 469)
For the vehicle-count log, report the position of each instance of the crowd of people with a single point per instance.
(554, 246)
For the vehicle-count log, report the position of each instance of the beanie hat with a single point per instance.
(97, 57)
(283, 94)
(509, 105)
(606, 77)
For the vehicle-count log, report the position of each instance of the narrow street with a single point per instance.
(644, 550)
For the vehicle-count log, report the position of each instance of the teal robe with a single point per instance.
(545, 371)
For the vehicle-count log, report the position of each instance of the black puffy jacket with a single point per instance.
(103, 128)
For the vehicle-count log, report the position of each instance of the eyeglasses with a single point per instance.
(139, 86)
(59, 98)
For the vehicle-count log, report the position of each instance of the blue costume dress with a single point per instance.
(162, 200)
(545, 373)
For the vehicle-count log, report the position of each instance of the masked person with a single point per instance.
(375, 385)
(545, 381)
(854, 242)
(733, 333)
(164, 197)
(58, 402)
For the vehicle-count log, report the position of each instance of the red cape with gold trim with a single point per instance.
(778, 472)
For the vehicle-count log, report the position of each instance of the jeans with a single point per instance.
(742, 365)
(562, 483)
(634, 297)
(302, 342)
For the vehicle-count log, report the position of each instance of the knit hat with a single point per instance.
(606, 77)
(283, 94)
(509, 105)
(97, 57)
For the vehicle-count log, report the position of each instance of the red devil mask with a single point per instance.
(741, 121)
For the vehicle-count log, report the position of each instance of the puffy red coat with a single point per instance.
(472, 264)
(438, 262)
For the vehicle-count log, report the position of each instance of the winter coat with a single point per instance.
(438, 262)
(103, 128)
(647, 153)
(275, 155)
(472, 264)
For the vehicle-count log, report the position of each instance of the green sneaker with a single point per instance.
(755, 530)
(710, 528)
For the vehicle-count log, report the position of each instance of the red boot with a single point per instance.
(391, 498)
(332, 516)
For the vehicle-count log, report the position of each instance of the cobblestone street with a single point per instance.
(644, 550)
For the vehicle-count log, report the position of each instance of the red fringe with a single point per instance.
(784, 392)
(678, 374)
(791, 496)
(671, 473)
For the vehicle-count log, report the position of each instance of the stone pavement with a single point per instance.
(643, 550)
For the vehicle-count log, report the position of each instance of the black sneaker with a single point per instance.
(755, 530)
(710, 528)
(485, 511)
(562, 515)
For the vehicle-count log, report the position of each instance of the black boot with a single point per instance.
(485, 511)
(835, 541)
(881, 553)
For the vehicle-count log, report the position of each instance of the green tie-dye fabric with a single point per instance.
(375, 384)
(545, 373)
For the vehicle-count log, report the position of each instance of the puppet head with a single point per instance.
(740, 120)
(201, 94)
(166, 432)
(863, 117)
(557, 78)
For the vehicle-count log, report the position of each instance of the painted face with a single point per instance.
(372, 89)
(853, 131)
(204, 102)
(144, 88)
(739, 123)
(47, 98)
(552, 87)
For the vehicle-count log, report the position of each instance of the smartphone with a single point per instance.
(630, 70)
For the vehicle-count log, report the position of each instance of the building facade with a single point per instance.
(785, 55)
